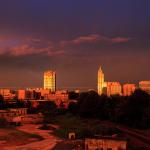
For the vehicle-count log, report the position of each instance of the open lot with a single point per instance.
(27, 137)
(15, 137)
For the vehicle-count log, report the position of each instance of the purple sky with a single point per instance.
(74, 38)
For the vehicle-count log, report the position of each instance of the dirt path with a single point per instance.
(47, 144)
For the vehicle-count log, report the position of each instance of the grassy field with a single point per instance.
(82, 127)
(69, 145)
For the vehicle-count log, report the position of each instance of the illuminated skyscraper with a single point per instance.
(50, 80)
(101, 83)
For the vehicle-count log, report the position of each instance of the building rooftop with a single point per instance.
(117, 138)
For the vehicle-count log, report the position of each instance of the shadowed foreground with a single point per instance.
(48, 142)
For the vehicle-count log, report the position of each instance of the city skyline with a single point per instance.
(75, 74)
(49, 82)
(73, 38)
(49, 91)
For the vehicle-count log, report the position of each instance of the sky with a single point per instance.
(74, 38)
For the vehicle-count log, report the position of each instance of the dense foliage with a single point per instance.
(133, 110)
(81, 127)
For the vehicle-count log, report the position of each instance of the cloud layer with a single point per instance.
(22, 46)
(27, 46)
(95, 38)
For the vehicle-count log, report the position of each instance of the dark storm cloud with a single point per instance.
(18, 46)
(72, 36)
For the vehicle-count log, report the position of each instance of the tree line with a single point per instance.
(133, 111)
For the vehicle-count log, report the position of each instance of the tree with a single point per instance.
(73, 108)
(136, 109)
(2, 103)
(20, 104)
(48, 109)
(114, 106)
(73, 95)
(88, 104)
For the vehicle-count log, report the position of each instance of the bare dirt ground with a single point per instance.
(49, 141)
(11, 137)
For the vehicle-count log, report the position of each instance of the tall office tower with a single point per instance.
(101, 83)
(145, 86)
(113, 88)
(50, 80)
(128, 89)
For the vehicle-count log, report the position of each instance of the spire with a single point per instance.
(100, 69)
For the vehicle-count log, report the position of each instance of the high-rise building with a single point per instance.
(145, 86)
(101, 83)
(50, 80)
(114, 88)
(128, 89)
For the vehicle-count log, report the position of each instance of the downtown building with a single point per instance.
(28, 94)
(101, 83)
(108, 88)
(7, 94)
(50, 80)
(128, 89)
(114, 88)
(145, 86)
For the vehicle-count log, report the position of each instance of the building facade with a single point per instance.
(7, 94)
(128, 89)
(21, 94)
(114, 88)
(13, 115)
(101, 83)
(145, 86)
(50, 80)
(105, 144)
